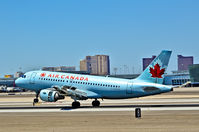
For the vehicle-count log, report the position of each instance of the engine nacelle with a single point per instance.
(50, 95)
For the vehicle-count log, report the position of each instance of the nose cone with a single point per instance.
(18, 82)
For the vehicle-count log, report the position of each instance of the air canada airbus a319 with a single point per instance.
(53, 86)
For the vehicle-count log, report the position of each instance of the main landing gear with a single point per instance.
(76, 104)
(96, 103)
(36, 100)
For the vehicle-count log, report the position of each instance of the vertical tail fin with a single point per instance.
(154, 73)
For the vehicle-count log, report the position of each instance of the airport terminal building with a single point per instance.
(177, 79)
(9, 82)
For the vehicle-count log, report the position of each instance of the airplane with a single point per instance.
(53, 86)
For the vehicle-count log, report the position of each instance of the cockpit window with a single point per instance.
(23, 76)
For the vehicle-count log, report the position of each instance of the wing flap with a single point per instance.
(75, 93)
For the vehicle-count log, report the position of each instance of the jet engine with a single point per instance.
(50, 95)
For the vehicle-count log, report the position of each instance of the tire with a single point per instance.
(76, 104)
(36, 100)
(96, 103)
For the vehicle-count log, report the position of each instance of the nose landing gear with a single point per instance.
(36, 100)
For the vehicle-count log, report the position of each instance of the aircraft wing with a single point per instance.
(75, 93)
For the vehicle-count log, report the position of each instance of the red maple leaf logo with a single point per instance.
(157, 72)
(43, 74)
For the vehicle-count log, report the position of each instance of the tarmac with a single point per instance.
(175, 111)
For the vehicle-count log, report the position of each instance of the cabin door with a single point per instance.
(129, 89)
(32, 77)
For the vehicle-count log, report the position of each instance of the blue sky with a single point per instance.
(36, 33)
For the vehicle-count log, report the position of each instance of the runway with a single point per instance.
(100, 109)
(165, 102)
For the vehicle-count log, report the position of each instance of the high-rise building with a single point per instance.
(98, 65)
(184, 62)
(147, 61)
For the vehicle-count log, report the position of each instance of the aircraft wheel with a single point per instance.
(36, 100)
(76, 104)
(96, 103)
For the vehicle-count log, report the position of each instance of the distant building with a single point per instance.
(66, 68)
(97, 65)
(9, 82)
(194, 72)
(184, 62)
(8, 76)
(60, 69)
(176, 79)
(147, 61)
(180, 72)
(83, 65)
(48, 68)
